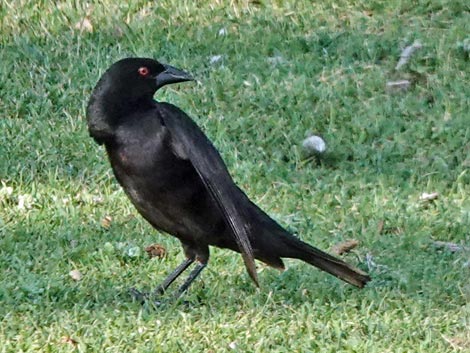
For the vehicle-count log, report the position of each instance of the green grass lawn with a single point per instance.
(287, 69)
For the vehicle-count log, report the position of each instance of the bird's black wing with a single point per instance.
(190, 143)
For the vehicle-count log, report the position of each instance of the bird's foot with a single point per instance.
(137, 295)
(154, 298)
(145, 297)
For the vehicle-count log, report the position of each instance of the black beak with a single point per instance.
(172, 75)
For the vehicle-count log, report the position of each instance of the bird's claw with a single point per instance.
(144, 297)
(151, 297)
(139, 296)
(159, 291)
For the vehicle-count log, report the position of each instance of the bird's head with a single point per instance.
(127, 85)
(133, 78)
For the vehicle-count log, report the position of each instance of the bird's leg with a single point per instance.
(143, 296)
(200, 254)
(192, 276)
(161, 288)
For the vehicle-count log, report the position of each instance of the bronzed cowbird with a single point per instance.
(178, 181)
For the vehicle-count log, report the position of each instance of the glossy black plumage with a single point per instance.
(177, 180)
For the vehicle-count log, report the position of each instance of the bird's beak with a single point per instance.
(172, 75)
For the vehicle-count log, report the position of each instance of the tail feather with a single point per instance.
(273, 242)
(326, 262)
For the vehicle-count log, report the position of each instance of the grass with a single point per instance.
(289, 68)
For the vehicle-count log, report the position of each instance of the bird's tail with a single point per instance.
(305, 252)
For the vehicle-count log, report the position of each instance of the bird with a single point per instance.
(178, 181)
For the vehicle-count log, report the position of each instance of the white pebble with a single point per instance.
(314, 144)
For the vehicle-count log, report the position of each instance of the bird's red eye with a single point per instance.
(143, 71)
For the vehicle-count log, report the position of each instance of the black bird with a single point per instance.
(179, 183)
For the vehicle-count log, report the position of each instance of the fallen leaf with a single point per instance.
(133, 251)
(222, 32)
(458, 343)
(155, 250)
(25, 201)
(118, 32)
(276, 60)
(69, 340)
(452, 247)
(398, 86)
(84, 25)
(76, 275)
(407, 53)
(425, 197)
(97, 199)
(106, 221)
(344, 247)
(380, 226)
(5, 191)
(447, 116)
